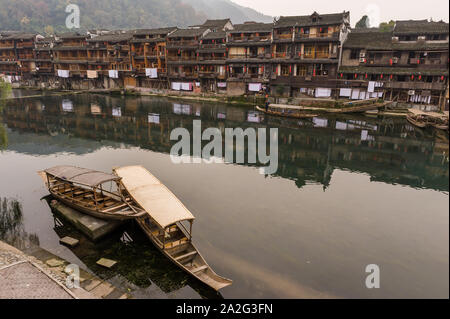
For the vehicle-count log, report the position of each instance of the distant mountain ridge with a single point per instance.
(49, 15)
(221, 9)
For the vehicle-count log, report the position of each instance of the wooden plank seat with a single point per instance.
(113, 208)
(189, 255)
(198, 269)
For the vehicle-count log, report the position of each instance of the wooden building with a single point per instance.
(182, 63)
(305, 53)
(70, 55)
(111, 52)
(212, 58)
(17, 53)
(44, 56)
(148, 51)
(408, 64)
(249, 57)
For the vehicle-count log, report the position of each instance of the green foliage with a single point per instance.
(46, 16)
(363, 23)
(387, 26)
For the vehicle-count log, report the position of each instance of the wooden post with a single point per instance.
(190, 230)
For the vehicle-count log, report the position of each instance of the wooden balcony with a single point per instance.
(283, 36)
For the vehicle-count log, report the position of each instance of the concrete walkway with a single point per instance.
(41, 276)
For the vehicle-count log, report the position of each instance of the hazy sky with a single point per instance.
(379, 10)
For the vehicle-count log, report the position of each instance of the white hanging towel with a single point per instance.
(117, 111)
(345, 92)
(371, 87)
(323, 92)
(177, 108)
(319, 122)
(254, 87)
(355, 94)
(92, 74)
(152, 73)
(67, 105)
(113, 74)
(341, 126)
(176, 86)
(63, 73)
(186, 86)
(153, 118)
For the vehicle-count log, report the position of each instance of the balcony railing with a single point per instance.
(182, 43)
(283, 36)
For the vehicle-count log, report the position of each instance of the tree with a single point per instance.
(387, 26)
(363, 23)
(49, 30)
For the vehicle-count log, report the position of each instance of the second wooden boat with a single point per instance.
(165, 223)
(83, 189)
(289, 113)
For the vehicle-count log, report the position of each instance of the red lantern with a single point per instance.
(412, 77)
(390, 61)
(418, 61)
(356, 75)
(366, 76)
(290, 69)
(420, 77)
(442, 78)
(391, 77)
(342, 75)
(381, 77)
(314, 72)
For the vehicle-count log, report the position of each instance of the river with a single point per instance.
(349, 192)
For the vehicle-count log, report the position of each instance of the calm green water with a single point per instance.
(348, 192)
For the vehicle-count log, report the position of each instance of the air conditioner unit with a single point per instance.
(362, 54)
(411, 92)
(421, 38)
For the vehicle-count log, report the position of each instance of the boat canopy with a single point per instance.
(83, 176)
(154, 197)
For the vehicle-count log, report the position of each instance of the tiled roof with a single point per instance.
(154, 31)
(180, 33)
(420, 27)
(20, 36)
(372, 39)
(215, 35)
(72, 35)
(216, 23)
(252, 27)
(119, 37)
(369, 39)
(322, 19)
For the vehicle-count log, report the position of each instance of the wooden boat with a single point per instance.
(423, 119)
(288, 113)
(82, 189)
(351, 107)
(416, 120)
(164, 223)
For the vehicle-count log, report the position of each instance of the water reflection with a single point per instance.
(140, 266)
(389, 149)
(295, 240)
(11, 225)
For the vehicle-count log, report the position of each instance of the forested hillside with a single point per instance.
(49, 15)
(40, 15)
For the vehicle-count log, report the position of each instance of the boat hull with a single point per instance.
(88, 211)
(416, 123)
(281, 114)
(208, 277)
